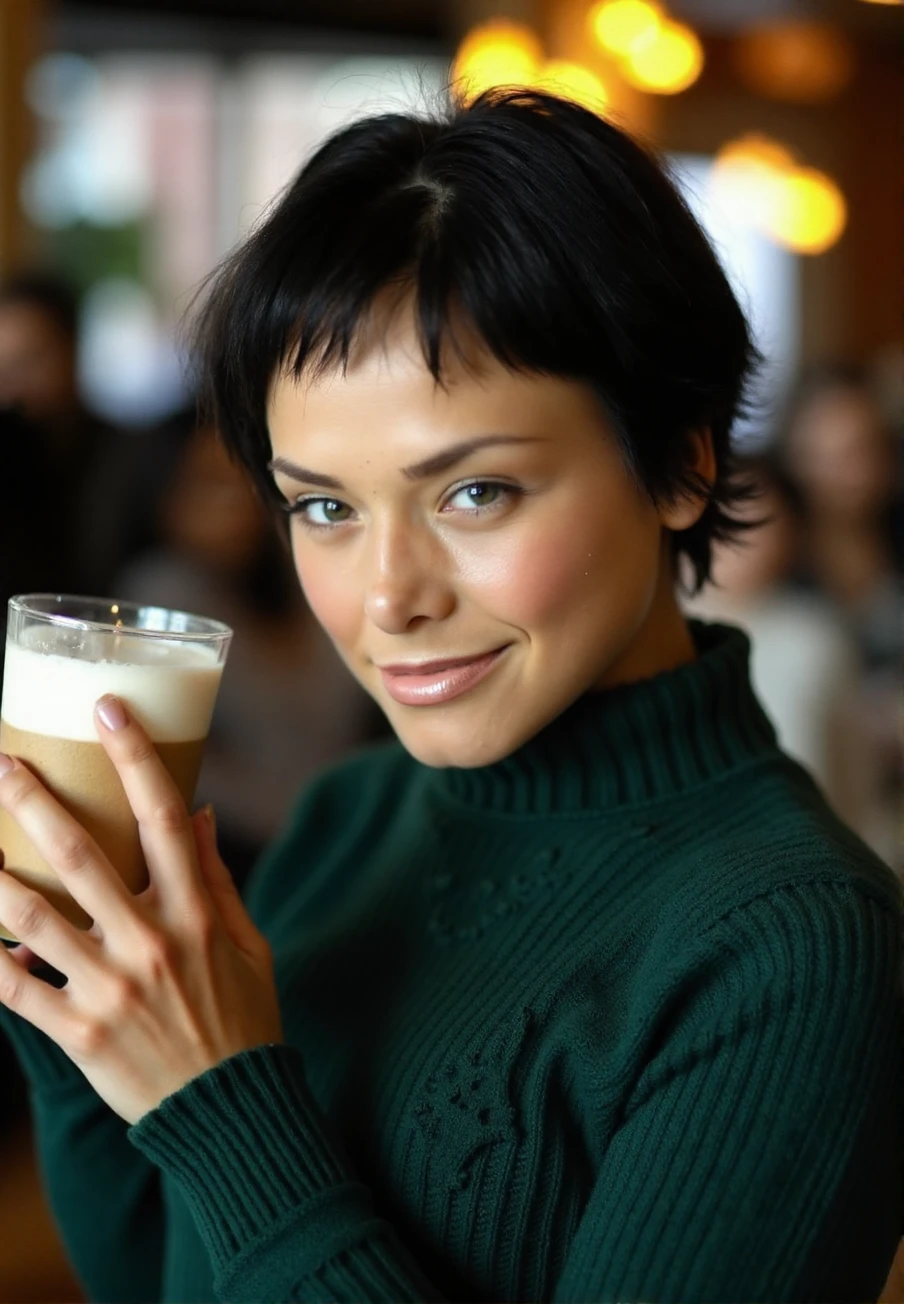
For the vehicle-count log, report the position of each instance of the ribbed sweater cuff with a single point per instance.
(249, 1148)
(45, 1066)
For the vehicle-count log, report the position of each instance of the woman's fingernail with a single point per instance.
(210, 816)
(112, 712)
(6, 764)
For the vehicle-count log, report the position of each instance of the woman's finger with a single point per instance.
(220, 883)
(43, 930)
(47, 936)
(164, 824)
(23, 956)
(70, 852)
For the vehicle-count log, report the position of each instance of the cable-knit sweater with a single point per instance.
(617, 1018)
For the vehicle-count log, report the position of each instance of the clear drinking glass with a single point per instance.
(62, 654)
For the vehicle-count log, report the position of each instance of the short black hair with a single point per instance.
(51, 294)
(565, 245)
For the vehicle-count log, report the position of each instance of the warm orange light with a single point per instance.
(755, 149)
(809, 212)
(746, 175)
(619, 25)
(803, 62)
(885, 2)
(497, 53)
(574, 82)
(666, 61)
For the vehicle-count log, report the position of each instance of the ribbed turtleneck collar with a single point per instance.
(651, 739)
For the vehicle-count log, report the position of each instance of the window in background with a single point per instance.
(765, 278)
(150, 167)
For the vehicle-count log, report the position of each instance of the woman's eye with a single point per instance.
(479, 495)
(321, 511)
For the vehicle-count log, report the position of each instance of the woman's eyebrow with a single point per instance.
(449, 456)
(303, 474)
(417, 471)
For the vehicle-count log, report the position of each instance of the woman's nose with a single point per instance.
(408, 581)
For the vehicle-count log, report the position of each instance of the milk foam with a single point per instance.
(170, 687)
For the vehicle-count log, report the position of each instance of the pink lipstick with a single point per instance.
(428, 683)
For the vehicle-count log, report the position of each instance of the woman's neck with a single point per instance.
(662, 643)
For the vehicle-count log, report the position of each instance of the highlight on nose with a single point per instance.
(394, 600)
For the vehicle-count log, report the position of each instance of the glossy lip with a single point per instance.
(430, 683)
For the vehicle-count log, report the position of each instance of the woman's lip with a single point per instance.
(423, 686)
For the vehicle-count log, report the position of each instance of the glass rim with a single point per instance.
(213, 630)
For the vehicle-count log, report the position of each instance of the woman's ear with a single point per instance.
(685, 509)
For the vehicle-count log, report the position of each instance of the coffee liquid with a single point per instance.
(47, 721)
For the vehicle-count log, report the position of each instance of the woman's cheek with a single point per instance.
(546, 575)
(330, 595)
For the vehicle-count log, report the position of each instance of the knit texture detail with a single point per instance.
(256, 1103)
(623, 1028)
(637, 742)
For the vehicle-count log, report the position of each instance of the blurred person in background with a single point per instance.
(79, 501)
(287, 705)
(840, 452)
(803, 658)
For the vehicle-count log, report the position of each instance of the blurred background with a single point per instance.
(140, 141)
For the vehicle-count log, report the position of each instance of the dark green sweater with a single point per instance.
(618, 1018)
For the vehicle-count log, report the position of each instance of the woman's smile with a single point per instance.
(430, 683)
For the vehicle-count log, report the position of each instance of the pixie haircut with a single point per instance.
(545, 228)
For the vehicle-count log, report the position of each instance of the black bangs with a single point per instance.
(525, 219)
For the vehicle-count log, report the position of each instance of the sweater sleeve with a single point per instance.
(775, 1133)
(104, 1195)
(769, 1050)
(275, 1200)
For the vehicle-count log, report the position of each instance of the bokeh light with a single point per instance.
(746, 175)
(574, 82)
(497, 53)
(665, 61)
(804, 62)
(757, 150)
(809, 212)
(619, 25)
(760, 184)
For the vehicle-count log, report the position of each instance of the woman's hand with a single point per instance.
(164, 984)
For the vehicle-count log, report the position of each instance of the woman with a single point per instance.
(803, 663)
(840, 450)
(578, 990)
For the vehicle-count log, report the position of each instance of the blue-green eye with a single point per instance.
(321, 512)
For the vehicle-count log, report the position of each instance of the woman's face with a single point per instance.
(842, 454)
(477, 553)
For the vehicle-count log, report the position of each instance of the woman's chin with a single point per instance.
(441, 748)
